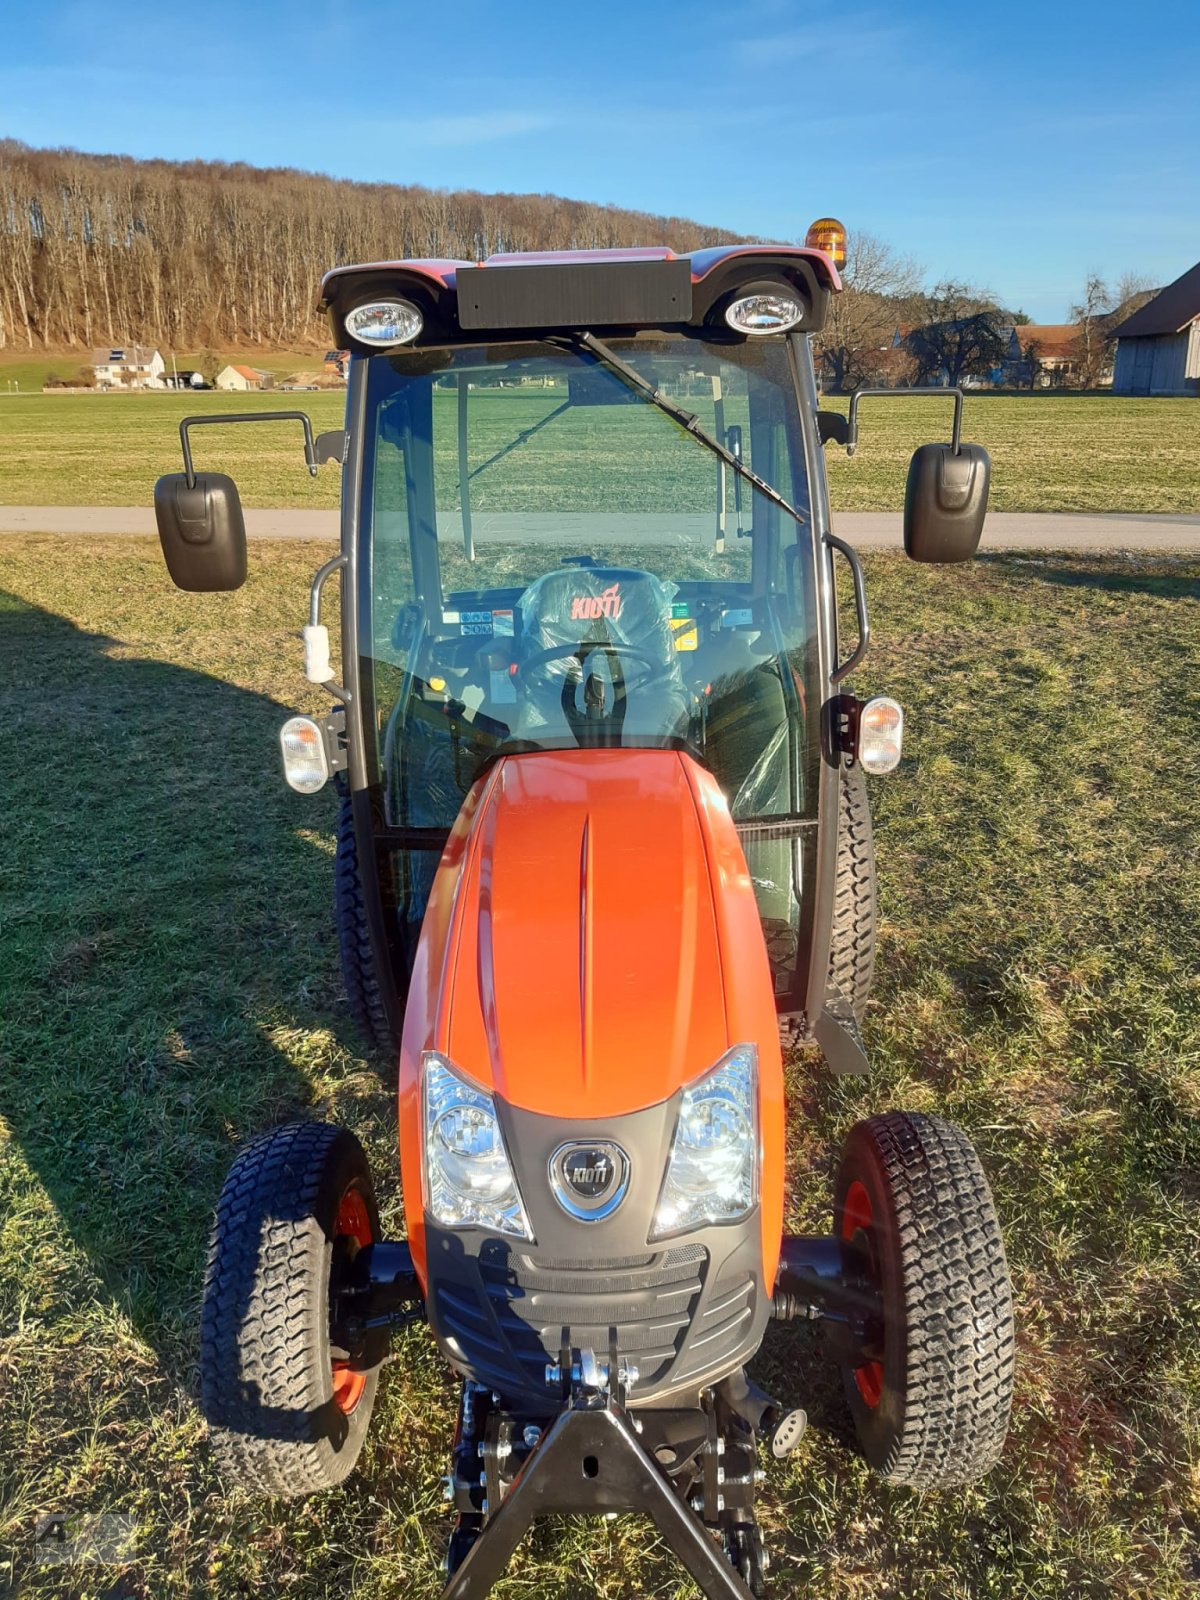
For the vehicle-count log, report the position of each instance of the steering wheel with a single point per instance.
(652, 666)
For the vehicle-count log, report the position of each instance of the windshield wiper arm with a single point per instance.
(686, 419)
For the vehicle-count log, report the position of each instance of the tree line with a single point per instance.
(885, 328)
(105, 250)
(101, 250)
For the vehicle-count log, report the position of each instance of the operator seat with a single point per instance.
(581, 610)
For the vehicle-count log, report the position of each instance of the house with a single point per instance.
(131, 366)
(241, 379)
(337, 364)
(1055, 354)
(1158, 347)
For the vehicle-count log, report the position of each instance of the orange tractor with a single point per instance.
(603, 841)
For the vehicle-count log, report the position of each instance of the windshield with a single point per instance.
(551, 561)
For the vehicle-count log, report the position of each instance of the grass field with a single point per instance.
(169, 986)
(29, 371)
(1049, 452)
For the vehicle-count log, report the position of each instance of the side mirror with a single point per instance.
(946, 501)
(202, 530)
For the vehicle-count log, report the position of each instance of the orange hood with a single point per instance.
(592, 943)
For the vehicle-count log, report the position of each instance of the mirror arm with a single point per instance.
(334, 564)
(851, 440)
(310, 450)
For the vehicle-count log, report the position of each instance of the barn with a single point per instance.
(1158, 347)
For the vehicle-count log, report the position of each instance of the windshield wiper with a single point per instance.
(686, 419)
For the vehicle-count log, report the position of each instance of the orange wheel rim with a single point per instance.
(353, 1221)
(859, 1217)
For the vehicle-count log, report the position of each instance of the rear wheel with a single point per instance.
(287, 1408)
(930, 1389)
(852, 938)
(363, 981)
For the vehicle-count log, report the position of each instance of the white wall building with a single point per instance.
(130, 366)
(242, 379)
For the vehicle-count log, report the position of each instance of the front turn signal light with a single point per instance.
(880, 734)
(305, 759)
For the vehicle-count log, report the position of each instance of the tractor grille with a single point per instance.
(654, 1301)
(647, 1298)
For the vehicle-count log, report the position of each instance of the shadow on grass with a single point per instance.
(1143, 575)
(166, 949)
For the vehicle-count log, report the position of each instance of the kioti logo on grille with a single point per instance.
(589, 1180)
(589, 1172)
(588, 607)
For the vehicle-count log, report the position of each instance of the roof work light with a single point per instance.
(829, 235)
(765, 308)
(385, 322)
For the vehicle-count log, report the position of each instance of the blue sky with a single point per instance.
(1017, 146)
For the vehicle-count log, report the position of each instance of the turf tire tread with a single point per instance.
(855, 907)
(265, 1378)
(359, 974)
(959, 1346)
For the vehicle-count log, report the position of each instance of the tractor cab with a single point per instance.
(550, 561)
(584, 507)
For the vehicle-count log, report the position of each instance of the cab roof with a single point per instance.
(528, 291)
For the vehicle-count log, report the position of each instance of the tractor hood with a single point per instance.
(592, 942)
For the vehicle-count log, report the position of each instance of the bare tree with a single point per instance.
(183, 254)
(1091, 314)
(960, 336)
(863, 319)
(1033, 356)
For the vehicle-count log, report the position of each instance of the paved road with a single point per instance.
(1005, 530)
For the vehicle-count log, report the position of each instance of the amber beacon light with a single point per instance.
(828, 234)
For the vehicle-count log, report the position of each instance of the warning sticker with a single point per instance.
(687, 633)
(477, 629)
(502, 623)
(679, 608)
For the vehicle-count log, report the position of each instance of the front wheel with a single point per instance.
(287, 1408)
(931, 1386)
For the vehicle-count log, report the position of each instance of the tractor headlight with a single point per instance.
(469, 1179)
(712, 1173)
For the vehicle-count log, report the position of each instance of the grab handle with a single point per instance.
(860, 606)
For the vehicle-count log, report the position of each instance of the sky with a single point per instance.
(1018, 146)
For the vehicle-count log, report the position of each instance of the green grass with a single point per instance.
(169, 986)
(1049, 452)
